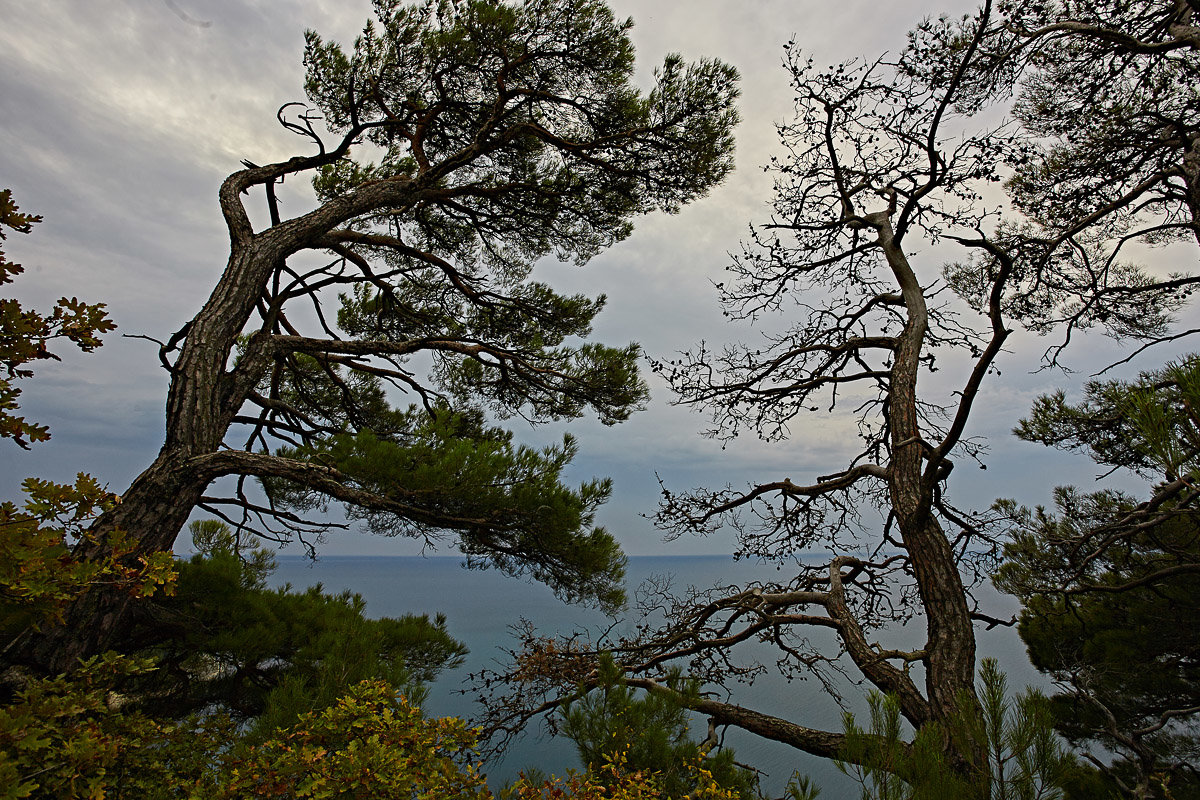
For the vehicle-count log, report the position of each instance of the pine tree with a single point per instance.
(1108, 580)
(225, 640)
(649, 732)
(465, 142)
(1022, 757)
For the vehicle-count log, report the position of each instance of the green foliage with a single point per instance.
(213, 538)
(436, 65)
(493, 91)
(800, 787)
(1124, 659)
(40, 575)
(1108, 583)
(1045, 552)
(533, 323)
(1018, 755)
(1101, 92)
(24, 334)
(224, 647)
(894, 769)
(615, 780)
(376, 744)
(70, 738)
(514, 510)
(505, 134)
(648, 733)
(266, 656)
(1150, 425)
(1118, 634)
(521, 126)
(65, 738)
(370, 743)
(1105, 107)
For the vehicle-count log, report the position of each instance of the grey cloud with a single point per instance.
(121, 119)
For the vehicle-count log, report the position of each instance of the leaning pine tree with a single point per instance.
(502, 134)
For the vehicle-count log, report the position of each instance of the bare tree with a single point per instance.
(872, 162)
(886, 157)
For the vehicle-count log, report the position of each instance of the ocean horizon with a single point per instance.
(480, 605)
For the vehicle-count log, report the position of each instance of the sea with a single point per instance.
(481, 606)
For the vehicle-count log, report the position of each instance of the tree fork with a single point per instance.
(485, 179)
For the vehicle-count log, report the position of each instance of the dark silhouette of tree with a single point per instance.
(884, 160)
(650, 733)
(871, 165)
(1108, 89)
(224, 640)
(1108, 581)
(471, 140)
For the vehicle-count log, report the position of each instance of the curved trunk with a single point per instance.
(206, 393)
(950, 664)
(200, 407)
(950, 644)
(153, 511)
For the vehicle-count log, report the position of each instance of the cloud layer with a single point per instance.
(121, 119)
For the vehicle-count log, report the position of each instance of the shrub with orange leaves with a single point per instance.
(39, 573)
(371, 743)
(613, 780)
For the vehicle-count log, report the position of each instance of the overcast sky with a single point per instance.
(121, 118)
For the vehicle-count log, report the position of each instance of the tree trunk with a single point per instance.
(153, 511)
(201, 404)
(1190, 166)
(950, 639)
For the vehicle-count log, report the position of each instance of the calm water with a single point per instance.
(480, 605)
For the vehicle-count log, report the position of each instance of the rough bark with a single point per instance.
(950, 644)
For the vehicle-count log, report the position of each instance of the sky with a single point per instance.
(121, 118)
